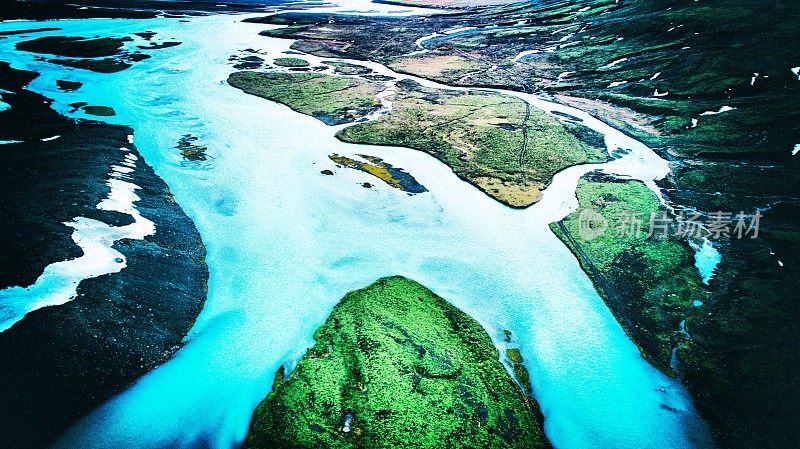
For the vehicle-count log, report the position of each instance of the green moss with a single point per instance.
(333, 100)
(375, 166)
(189, 150)
(291, 62)
(101, 111)
(71, 46)
(396, 366)
(648, 282)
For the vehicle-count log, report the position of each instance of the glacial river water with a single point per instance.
(285, 243)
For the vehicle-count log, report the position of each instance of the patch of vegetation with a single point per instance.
(73, 46)
(345, 68)
(101, 111)
(396, 366)
(291, 62)
(68, 86)
(146, 35)
(445, 68)
(107, 65)
(514, 357)
(77, 106)
(157, 46)
(332, 100)
(189, 150)
(497, 142)
(649, 282)
(395, 177)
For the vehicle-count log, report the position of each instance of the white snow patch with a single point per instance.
(719, 111)
(522, 54)
(612, 63)
(59, 282)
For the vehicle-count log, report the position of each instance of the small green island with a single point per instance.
(375, 166)
(396, 366)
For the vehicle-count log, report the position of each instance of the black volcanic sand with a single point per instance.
(61, 362)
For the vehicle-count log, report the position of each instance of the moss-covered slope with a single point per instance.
(649, 283)
(396, 366)
(738, 358)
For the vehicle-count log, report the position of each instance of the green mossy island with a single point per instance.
(158, 46)
(189, 150)
(68, 86)
(330, 99)
(497, 142)
(396, 366)
(375, 166)
(344, 68)
(291, 62)
(100, 111)
(649, 283)
(73, 46)
(106, 65)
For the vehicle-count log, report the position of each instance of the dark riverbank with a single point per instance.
(60, 362)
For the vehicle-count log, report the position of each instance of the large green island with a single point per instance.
(397, 366)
